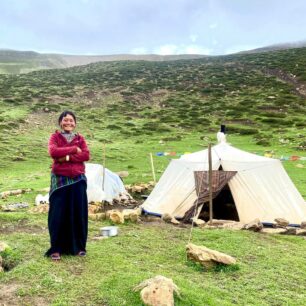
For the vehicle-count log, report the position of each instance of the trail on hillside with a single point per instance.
(299, 87)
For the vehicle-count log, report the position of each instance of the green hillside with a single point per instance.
(137, 107)
(17, 62)
(133, 108)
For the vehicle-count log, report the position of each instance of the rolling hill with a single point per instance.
(16, 62)
(137, 107)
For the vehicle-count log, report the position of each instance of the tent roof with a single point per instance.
(226, 152)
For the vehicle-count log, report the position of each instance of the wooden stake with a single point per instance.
(210, 184)
(152, 166)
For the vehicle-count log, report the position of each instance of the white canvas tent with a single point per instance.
(261, 188)
(113, 185)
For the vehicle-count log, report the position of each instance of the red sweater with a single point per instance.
(60, 147)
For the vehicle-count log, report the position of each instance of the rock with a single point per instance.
(43, 208)
(157, 291)
(151, 218)
(167, 217)
(207, 257)
(3, 246)
(131, 214)
(14, 206)
(303, 224)
(254, 225)
(281, 222)
(273, 230)
(93, 209)
(290, 231)
(198, 222)
(97, 216)
(116, 217)
(174, 221)
(301, 232)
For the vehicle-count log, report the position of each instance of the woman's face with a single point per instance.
(68, 124)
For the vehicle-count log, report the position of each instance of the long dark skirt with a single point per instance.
(68, 219)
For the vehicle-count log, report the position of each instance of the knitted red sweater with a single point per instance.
(60, 147)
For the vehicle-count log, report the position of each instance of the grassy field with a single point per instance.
(134, 109)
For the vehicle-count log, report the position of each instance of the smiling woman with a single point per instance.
(68, 214)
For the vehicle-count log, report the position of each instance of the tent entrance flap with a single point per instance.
(224, 207)
(219, 181)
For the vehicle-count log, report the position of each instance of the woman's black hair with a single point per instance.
(64, 114)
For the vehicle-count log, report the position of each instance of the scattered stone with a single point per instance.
(273, 230)
(3, 246)
(43, 208)
(290, 231)
(97, 216)
(207, 257)
(139, 188)
(281, 222)
(131, 214)
(6, 194)
(167, 218)
(254, 226)
(158, 291)
(174, 221)
(99, 237)
(93, 209)
(14, 206)
(116, 217)
(198, 222)
(301, 232)
(303, 224)
(148, 218)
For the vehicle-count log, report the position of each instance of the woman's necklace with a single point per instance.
(69, 136)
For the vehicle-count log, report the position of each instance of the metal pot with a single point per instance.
(109, 231)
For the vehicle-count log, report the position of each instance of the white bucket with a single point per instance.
(109, 231)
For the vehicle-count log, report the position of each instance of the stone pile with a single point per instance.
(5, 194)
(139, 188)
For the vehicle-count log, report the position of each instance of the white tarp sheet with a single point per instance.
(113, 185)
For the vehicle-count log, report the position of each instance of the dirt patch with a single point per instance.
(9, 297)
(21, 227)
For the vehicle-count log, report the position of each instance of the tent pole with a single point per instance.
(152, 166)
(210, 184)
(104, 160)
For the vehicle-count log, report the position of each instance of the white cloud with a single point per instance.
(181, 49)
(213, 25)
(193, 37)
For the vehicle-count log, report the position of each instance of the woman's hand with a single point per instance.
(79, 150)
(61, 159)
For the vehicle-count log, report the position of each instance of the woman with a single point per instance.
(68, 213)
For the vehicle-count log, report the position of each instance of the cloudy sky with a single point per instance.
(100, 27)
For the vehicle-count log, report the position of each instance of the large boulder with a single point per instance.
(207, 257)
(157, 291)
